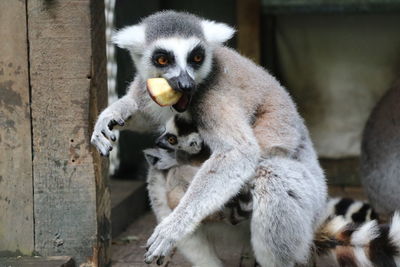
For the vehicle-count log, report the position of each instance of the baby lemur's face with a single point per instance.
(180, 134)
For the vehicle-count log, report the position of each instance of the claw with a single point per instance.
(111, 124)
(160, 260)
(121, 122)
(147, 261)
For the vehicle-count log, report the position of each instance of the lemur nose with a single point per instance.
(185, 86)
(183, 83)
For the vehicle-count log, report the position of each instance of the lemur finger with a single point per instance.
(152, 238)
(114, 122)
(109, 134)
(102, 144)
(155, 251)
(153, 247)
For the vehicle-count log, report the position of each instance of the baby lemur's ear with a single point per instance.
(215, 32)
(152, 156)
(160, 159)
(131, 38)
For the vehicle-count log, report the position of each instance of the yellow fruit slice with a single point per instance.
(162, 93)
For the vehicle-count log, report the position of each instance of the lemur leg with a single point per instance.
(283, 222)
(198, 250)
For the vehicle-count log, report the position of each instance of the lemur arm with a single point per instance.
(235, 155)
(118, 113)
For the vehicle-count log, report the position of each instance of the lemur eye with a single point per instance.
(198, 58)
(172, 140)
(162, 60)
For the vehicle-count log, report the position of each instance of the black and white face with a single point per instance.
(180, 135)
(184, 63)
(175, 46)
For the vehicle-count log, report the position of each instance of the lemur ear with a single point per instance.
(152, 156)
(216, 32)
(131, 38)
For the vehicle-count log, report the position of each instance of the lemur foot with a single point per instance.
(102, 133)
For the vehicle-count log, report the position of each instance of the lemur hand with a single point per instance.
(102, 133)
(164, 239)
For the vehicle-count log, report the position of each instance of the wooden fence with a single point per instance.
(54, 198)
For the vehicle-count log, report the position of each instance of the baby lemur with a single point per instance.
(184, 149)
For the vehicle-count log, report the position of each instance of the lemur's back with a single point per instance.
(277, 126)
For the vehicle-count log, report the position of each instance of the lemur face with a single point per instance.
(176, 46)
(181, 135)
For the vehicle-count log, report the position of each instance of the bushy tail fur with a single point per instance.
(340, 243)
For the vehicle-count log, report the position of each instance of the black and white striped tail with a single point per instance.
(339, 243)
(351, 210)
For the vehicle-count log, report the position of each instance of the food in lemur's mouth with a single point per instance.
(162, 93)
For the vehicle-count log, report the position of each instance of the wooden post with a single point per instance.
(16, 198)
(68, 88)
(248, 34)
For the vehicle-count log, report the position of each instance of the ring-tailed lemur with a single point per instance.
(247, 119)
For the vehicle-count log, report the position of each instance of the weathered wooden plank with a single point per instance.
(68, 81)
(55, 261)
(16, 198)
(248, 34)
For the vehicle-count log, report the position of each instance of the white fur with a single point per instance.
(131, 38)
(336, 225)
(367, 232)
(361, 257)
(394, 234)
(356, 206)
(216, 33)
(330, 207)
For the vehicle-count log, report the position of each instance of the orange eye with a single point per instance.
(197, 58)
(162, 60)
(172, 140)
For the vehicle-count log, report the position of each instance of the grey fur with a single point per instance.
(224, 112)
(380, 155)
(166, 24)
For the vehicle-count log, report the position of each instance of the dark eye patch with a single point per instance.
(168, 55)
(198, 51)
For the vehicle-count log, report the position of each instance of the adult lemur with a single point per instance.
(246, 118)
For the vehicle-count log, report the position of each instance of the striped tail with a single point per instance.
(339, 243)
(352, 210)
